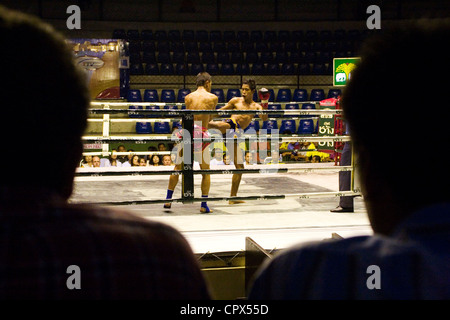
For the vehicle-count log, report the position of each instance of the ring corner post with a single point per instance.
(187, 169)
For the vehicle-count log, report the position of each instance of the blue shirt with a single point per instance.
(413, 263)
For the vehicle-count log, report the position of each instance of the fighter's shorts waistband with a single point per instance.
(233, 123)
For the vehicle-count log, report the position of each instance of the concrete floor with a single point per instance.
(274, 224)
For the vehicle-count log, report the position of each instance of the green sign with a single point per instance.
(342, 70)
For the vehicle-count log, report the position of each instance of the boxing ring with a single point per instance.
(274, 219)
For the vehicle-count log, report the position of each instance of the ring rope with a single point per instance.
(142, 139)
(91, 173)
(179, 113)
(258, 197)
(162, 104)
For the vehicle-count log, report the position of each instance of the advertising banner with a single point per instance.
(106, 63)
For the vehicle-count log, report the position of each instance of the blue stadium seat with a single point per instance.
(284, 95)
(136, 68)
(151, 69)
(215, 35)
(188, 35)
(273, 68)
(281, 56)
(261, 47)
(143, 127)
(284, 35)
(254, 125)
(266, 57)
(160, 35)
(270, 36)
(291, 106)
(317, 95)
(152, 108)
(272, 95)
(149, 57)
(287, 127)
(304, 68)
(288, 69)
(134, 46)
(205, 47)
(243, 68)
(300, 95)
(306, 106)
(181, 69)
(256, 36)
(242, 36)
(212, 68)
(231, 93)
(258, 69)
(168, 95)
(167, 69)
(131, 110)
(251, 57)
(220, 94)
(236, 57)
(202, 36)
(227, 69)
(170, 107)
(233, 46)
(162, 127)
(181, 94)
(219, 46)
(208, 57)
(270, 125)
(191, 46)
(229, 35)
(134, 95)
(274, 107)
(318, 69)
(147, 34)
(163, 57)
(334, 93)
(178, 57)
(151, 95)
(223, 57)
(174, 35)
(196, 68)
(192, 57)
(305, 126)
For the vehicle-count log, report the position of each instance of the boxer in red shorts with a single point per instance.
(200, 99)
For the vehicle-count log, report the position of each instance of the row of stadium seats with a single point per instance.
(138, 68)
(239, 57)
(241, 36)
(282, 95)
(305, 126)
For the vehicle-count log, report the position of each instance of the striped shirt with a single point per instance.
(413, 263)
(50, 249)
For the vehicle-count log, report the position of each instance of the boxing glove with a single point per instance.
(264, 96)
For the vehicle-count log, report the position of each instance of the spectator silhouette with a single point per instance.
(44, 238)
(408, 203)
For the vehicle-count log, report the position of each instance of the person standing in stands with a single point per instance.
(53, 249)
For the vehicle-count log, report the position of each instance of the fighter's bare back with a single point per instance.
(201, 100)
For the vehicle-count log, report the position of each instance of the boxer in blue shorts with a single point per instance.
(238, 122)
